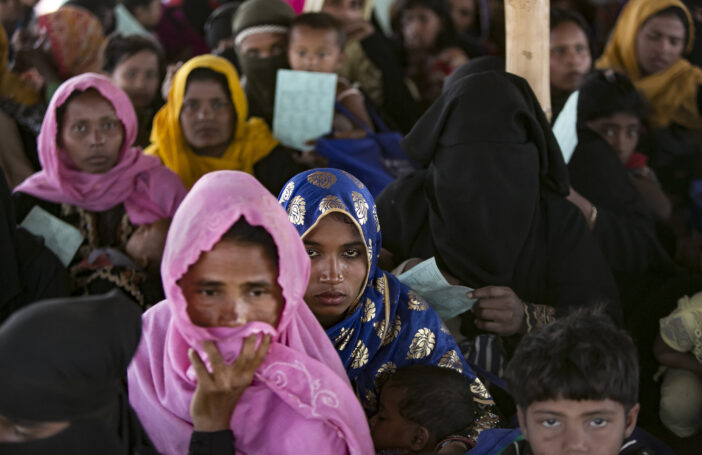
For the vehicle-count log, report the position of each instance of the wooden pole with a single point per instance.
(528, 31)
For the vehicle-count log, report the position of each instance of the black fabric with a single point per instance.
(212, 443)
(624, 229)
(30, 272)
(260, 82)
(398, 102)
(276, 168)
(474, 66)
(493, 194)
(67, 359)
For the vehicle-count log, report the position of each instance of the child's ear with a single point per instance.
(420, 439)
(341, 60)
(631, 418)
(521, 417)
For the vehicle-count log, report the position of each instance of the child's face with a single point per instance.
(388, 428)
(589, 427)
(146, 244)
(314, 50)
(620, 130)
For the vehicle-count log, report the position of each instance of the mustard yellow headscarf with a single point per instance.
(252, 139)
(11, 86)
(672, 93)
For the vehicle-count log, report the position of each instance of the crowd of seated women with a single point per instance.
(175, 280)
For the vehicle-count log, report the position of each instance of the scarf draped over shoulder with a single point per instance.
(672, 93)
(389, 326)
(252, 139)
(148, 190)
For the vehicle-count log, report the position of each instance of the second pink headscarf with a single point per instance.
(149, 190)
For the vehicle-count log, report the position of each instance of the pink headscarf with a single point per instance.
(149, 190)
(300, 396)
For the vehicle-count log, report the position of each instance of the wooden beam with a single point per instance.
(527, 25)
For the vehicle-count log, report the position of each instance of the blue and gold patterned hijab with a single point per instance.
(389, 326)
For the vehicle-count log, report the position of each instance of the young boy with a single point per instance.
(316, 43)
(423, 408)
(575, 383)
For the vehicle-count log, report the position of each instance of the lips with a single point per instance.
(97, 160)
(331, 298)
(206, 131)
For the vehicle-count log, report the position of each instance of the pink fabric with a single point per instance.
(300, 400)
(297, 5)
(149, 190)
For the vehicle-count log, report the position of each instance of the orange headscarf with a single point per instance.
(252, 139)
(11, 86)
(672, 93)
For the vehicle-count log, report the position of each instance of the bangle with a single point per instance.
(593, 218)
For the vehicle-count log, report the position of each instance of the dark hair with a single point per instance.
(207, 74)
(320, 21)
(582, 356)
(560, 16)
(119, 48)
(436, 398)
(132, 5)
(219, 24)
(674, 11)
(447, 33)
(243, 232)
(606, 92)
(103, 10)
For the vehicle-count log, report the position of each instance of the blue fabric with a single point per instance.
(376, 159)
(370, 348)
(493, 442)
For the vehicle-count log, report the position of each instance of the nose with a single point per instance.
(575, 439)
(332, 273)
(98, 136)
(372, 421)
(205, 112)
(231, 314)
(140, 81)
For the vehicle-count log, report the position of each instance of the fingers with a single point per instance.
(213, 354)
(490, 292)
(250, 356)
(198, 366)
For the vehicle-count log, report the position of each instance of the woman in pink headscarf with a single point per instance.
(93, 179)
(234, 267)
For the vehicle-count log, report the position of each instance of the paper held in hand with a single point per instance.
(304, 107)
(59, 236)
(447, 300)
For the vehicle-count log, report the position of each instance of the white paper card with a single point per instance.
(59, 236)
(447, 300)
(304, 107)
(566, 127)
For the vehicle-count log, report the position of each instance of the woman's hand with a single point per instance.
(498, 310)
(168, 79)
(217, 393)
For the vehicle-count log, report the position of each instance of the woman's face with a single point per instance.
(620, 130)
(207, 117)
(91, 134)
(660, 43)
(138, 76)
(264, 45)
(420, 28)
(339, 267)
(463, 14)
(232, 284)
(570, 56)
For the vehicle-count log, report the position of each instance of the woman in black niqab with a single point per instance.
(490, 203)
(64, 360)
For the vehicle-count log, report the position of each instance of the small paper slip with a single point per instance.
(447, 300)
(304, 107)
(566, 126)
(59, 236)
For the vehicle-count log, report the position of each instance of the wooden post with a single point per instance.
(527, 25)
(312, 6)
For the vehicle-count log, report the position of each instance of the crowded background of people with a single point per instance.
(458, 258)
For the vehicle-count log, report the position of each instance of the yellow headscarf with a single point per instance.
(672, 93)
(252, 139)
(11, 86)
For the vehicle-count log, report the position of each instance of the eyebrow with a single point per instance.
(258, 284)
(209, 283)
(345, 245)
(591, 413)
